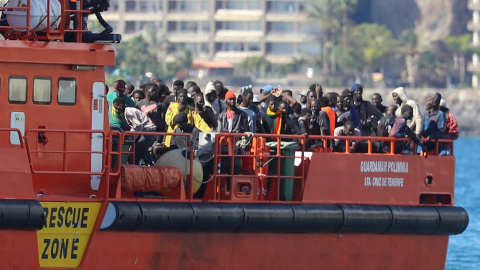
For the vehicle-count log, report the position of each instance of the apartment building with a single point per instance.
(474, 26)
(223, 30)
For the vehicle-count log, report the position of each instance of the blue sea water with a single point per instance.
(464, 249)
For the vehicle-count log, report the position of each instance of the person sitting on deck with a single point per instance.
(348, 129)
(386, 122)
(384, 126)
(400, 129)
(180, 142)
(138, 121)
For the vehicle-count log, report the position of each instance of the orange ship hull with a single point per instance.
(123, 250)
(69, 200)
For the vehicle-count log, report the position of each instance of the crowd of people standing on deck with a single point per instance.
(188, 108)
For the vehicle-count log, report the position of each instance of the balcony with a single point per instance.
(290, 37)
(186, 16)
(197, 37)
(285, 17)
(234, 57)
(238, 15)
(474, 5)
(238, 36)
(473, 26)
(131, 16)
(472, 68)
(279, 59)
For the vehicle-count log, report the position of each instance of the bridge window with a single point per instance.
(17, 89)
(42, 90)
(67, 91)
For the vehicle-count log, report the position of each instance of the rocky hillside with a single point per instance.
(433, 19)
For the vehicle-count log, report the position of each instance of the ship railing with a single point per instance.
(266, 151)
(122, 151)
(262, 170)
(12, 137)
(368, 142)
(246, 167)
(53, 30)
(69, 148)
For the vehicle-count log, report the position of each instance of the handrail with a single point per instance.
(19, 134)
(370, 139)
(260, 156)
(220, 138)
(64, 151)
(114, 168)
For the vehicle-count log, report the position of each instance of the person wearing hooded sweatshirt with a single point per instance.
(211, 100)
(400, 98)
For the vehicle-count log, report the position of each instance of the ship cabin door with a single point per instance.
(98, 111)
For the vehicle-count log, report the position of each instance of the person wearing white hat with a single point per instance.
(303, 98)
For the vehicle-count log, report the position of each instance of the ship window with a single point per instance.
(42, 90)
(17, 89)
(67, 91)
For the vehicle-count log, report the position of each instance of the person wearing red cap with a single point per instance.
(119, 91)
(232, 119)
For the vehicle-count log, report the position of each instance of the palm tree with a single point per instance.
(432, 68)
(460, 46)
(158, 46)
(409, 40)
(252, 66)
(327, 13)
(373, 47)
(347, 7)
(134, 62)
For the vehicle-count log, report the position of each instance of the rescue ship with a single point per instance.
(70, 200)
